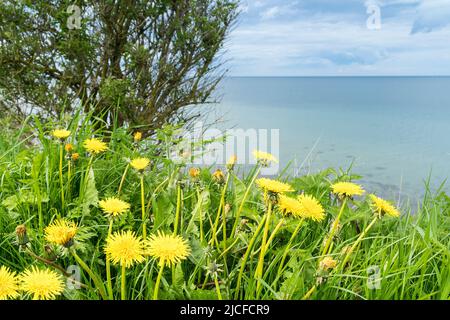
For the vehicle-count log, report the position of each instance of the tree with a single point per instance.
(141, 62)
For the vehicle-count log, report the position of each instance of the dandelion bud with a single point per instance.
(218, 176)
(75, 156)
(273, 197)
(22, 237)
(231, 162)
(227, 208)
(50, 253)
(345, 250)
(137, 136)
(213, 269)
(194, 173)
(327, 263)
(68, 147)
(338, 226)
(264, 158)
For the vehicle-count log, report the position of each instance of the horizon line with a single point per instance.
(340, 76)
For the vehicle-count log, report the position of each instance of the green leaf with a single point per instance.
(178, 279)
(22, 197)
(201, 294)
(90, 194)
(163, 209)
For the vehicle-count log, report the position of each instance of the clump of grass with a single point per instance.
(167, 231)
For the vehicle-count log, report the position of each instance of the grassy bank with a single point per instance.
(227, 235)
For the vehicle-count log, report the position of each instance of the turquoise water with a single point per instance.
(396, 130)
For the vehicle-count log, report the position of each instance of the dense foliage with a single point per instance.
(139, 62)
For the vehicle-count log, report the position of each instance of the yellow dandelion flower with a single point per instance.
(75, 156)
(289, 206)
(43, 284)
(194, 172)
(327, 263)
(125, 248)
(140, 163)
(383, 207)
(61, 134)
(95, 146)
(347, 189)
(113, 207)
(137, 136)
(273, 186)
(311, 208)
(9, 284)
(264, 157)
(61, 232)
(169, 249)
(218, 176)
(231, 162)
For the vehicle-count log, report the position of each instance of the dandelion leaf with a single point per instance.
(90, 195)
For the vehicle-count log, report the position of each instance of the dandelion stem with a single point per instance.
(219, 295)
(123, 284)
(144, 218)
(259, 268)
(69, 174)
(56, 266)
(333, 229)
(224, 213)
(266, 247)
(273, 234)
(219, 210)
(108, 266)
(358, 241)
(247, 254)
(122, 180)
(205, 282)
(288, 247)
(200, 219)
(91, 274)
(158, 281)
(244, 199)
(178, 210)
(61, 148)
(86, 176)
(309, 293)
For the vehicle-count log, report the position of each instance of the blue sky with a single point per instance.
(340, 37)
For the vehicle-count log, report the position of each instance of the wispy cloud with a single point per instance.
(432, 15)
(322, 38)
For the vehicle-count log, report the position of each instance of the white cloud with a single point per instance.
(270, 13)
(259, 4)
(286, 40)
(315, 47)
(432, 15)
(279, 10)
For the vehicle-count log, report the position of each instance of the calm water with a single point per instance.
(396, 130)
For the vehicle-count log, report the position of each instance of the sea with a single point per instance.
(393, 131)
